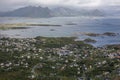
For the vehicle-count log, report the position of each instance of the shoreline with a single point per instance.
(88, 41)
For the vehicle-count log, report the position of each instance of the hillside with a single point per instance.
(28, 12)
(32, 11)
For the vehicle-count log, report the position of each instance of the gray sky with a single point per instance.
(13, 4)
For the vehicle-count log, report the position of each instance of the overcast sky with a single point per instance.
(13, 4)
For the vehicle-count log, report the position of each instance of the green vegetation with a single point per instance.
(92, 34)
(104, 34)
(44, 58)
(88, 40)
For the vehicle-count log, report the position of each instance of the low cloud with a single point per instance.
(6, 5)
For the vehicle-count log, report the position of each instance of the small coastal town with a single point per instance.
(59, 39)
(63, 58)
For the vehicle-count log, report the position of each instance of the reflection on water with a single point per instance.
(81, 25)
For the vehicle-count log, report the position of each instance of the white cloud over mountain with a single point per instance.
(12, 4)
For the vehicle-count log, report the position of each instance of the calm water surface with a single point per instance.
(70, 26)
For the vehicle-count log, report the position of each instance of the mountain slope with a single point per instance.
(61, 11)
(112, 11)
(28, 12)
(31, 11)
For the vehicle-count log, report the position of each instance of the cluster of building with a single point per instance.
(24, 54)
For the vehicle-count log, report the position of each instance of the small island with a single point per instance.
(23, 25)
(103, 34)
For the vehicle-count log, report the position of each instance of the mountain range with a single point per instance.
(112, 11)
(45, 12)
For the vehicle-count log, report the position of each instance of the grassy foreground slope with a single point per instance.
(44, 58)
